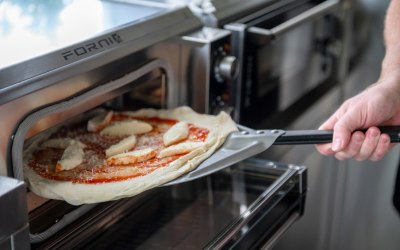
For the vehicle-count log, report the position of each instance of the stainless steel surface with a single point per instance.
(207, 90)
(227, 68)
(216, 13)
(237, 147)
(266, 35)
(13, 214)
(142, 42)
(110, 44)
(54, 26)
(273, 74)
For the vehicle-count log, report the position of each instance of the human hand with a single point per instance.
(377, 105)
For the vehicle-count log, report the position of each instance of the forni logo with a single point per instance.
(92, 47)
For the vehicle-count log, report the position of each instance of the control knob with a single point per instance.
(226, 68)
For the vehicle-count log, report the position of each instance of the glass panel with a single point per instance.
(190, 215)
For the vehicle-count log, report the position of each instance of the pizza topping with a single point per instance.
(131, 157)
(71, 158)
(99, 122)
(62, 143)
(124, 145)
(81, 156)
(181, 148)
(176, 133)
(128, 127)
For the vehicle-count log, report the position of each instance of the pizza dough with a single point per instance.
(77, 193)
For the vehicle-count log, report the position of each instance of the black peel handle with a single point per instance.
(296, 137)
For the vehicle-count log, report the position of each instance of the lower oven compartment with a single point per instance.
(247, 206)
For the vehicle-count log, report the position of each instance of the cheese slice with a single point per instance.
(176, 133)
(130, 127)
(62, 143)
(71, 158)
(181, 148)
(131, 157)
(99, 122)
(124, 145)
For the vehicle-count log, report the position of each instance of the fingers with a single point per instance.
(369, 146)
(382, 148)
(353, 148)
(342, 138)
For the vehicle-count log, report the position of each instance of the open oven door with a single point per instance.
(247, 206)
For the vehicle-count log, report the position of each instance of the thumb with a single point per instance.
(342, 132)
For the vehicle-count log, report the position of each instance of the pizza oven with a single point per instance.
(271, 40)
(131, 55)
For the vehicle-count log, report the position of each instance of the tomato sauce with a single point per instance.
(94, 169)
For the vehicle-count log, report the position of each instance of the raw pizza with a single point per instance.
(120, 154)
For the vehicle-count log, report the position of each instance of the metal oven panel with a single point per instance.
(54, 76)
(210, 70)
(285, 52)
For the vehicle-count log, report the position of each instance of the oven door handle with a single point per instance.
(264, 36)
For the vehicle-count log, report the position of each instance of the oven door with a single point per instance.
(247, 206)
(285, 52)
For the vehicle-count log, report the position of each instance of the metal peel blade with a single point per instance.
(237, 147)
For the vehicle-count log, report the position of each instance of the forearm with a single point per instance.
(391, 62)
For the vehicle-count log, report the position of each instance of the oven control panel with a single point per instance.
(212, 69)
(225, 69)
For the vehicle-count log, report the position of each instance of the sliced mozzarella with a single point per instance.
(71, 158)
(131, 157)
(62, 143)
(99, 122)
(176, 133)
(181, 148)
(130, 127)
(124, 145)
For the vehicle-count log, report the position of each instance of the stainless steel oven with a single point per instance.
(132, 54)
(286, 49)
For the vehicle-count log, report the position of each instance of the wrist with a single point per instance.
(390, 79)
(391, 63)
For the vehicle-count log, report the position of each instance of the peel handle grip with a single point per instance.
(296, 137)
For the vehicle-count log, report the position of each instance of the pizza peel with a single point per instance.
(248, 142)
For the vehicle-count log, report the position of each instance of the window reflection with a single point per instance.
(29, 28)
